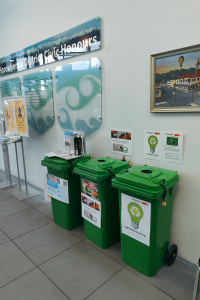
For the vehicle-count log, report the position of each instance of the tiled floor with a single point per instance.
(40, 260)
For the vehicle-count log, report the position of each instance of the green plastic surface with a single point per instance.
(109, 233)
(145, 259)
(61, 164)
(148, 178)
(101, 168)
(66, 215)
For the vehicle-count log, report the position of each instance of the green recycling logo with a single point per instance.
(94, 219)
(125, 149)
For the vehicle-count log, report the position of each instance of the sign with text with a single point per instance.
(16, 115)
(73, 42)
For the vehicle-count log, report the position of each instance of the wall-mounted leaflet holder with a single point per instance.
(8, 179)
(16, 125)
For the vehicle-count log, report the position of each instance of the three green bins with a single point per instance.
(145, 201)
(66, 215)
(100, 206)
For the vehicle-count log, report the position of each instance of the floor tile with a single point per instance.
(45, 208)
(13, 263)
(177, 280)
(46, 242)
(32, 286)
(3, 238)
(127, 285)
(114, 251)
(34, 200)
(80, 232)
(22, 222)
(4, 194)
(80, 270)
(11, 206)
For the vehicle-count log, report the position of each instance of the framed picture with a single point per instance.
(175, 81)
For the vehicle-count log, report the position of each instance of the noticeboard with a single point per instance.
(16, 115)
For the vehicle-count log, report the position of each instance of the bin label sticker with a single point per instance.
(90, 189)
(91, 210)
(57, 188)
(136, 218)
(121, 141)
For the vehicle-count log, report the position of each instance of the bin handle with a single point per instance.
(164, 195)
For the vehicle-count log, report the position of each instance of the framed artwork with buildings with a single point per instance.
(175, 80)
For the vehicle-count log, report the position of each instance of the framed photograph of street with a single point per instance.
(175, 80)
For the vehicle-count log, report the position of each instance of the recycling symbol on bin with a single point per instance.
(125, 150)
(135, 211)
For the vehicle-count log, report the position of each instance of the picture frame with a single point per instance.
(175, 80)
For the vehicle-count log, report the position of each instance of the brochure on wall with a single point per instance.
(20, 116)
(121, 141)
(16, 115)
(57, 188)
(173, 147)
(91, 210)
(10, 115)
(153, 145)
(136, 218)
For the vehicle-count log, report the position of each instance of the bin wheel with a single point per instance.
(171, 255)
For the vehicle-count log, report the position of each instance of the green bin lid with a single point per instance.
(62, 164)
(149, 179)
(101, 168)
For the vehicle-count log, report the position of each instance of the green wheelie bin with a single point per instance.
(146, 197)
(100, 208)
(66, 215)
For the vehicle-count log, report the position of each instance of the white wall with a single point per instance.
(131, 31)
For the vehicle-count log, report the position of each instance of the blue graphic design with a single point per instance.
(38, 89)
(78, 94)
(11, 87)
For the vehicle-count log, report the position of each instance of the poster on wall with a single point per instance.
(20, 116)
(91, 210)
(121, 141)
(16, 115)
(172, 147)
(10, 115)
(136, 218)
(153, 145)
(57, 188)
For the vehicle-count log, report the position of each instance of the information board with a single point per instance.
(16, 115)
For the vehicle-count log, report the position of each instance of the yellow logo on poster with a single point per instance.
(10, 118)
(20, 116)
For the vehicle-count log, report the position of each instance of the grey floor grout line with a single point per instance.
(40, 212)
(55, 284)
(106, 254)
(149, 282)
(58, 254)
(14, 213)
(105, 282)
(26, 232)
(17, 277)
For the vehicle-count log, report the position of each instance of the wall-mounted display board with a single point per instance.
(78, 95)
(78, 40)
(10, 87)
(16, 115)
(38, 89)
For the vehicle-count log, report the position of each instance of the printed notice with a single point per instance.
(153, 145)
(90, 189)
(136, 218)
(10, 115)
(173, 147)
(57, 188)
(121, 141)
(91, 210)
(20, 116)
